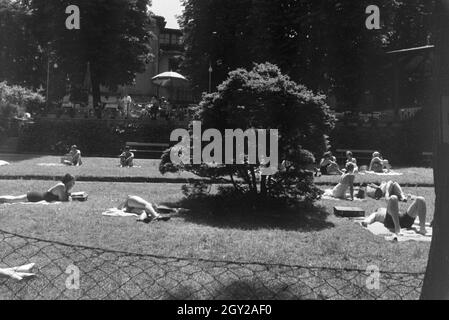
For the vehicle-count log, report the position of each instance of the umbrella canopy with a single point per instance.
(170, 79)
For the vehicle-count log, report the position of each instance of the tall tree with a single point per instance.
(260, 98)
(322, 44)
(21, 60)
(215, 34)
(114, 38)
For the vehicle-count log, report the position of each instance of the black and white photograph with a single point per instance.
(237, 151)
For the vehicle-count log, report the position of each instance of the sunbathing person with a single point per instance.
(127, 158)
(346, 182)
(59, 192)
(135, 204)
(394, 220)
(18, 273)
(328, 165)
(73, 158)
(351, 159)
(386, 189)
(378, 164)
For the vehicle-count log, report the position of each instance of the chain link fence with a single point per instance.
(66, 271)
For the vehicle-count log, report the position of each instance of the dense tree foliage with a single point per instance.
(264, 98)
(21, 60)
(323, 44)
(114, 38)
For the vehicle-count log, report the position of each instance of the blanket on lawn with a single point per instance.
(389, 173)
(379, 229)
(3, 163)
(51, 165)
(114, 212)
(44, 203)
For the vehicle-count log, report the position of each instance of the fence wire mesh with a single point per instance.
(106, 274)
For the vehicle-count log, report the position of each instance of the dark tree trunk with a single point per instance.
(253, 180)
(436, 281)
(263, 187)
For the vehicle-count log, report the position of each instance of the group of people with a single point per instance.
(163, 108)
(329, 165)
(390, 216)
(73, 157)
(61, 192)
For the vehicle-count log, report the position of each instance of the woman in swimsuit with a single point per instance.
(60, 192)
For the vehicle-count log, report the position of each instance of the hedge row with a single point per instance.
(94, 138)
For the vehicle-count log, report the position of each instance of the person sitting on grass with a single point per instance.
(378, 164)
(346, 182)
(351, 159)
(328, 165)
(59, 192)
(73, 158)
(135, 204)
(394, 220)
(127, 158)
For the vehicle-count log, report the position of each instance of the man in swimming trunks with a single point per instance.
(59, 192)
(394, 220)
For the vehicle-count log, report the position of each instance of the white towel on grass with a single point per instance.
(389, 173)
(114, 212)
(45, 203)
(3, 163)
(379, 229)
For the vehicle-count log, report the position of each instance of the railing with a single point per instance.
(65, 271)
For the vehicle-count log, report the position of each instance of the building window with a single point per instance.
(164, 38)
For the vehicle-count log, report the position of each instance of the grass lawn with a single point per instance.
(304, 238)
(23, 165)
(411, 177)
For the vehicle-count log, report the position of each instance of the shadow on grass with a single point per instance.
(18, 157)
(241, 290)
(217, 212)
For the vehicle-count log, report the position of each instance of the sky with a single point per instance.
(168, 9)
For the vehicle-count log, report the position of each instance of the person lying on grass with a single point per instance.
(73, 158)
(394, 220)
(135, 204)
(18, 273)
(386, 189)
(127, 158)
(346, 182)
(59, 192)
